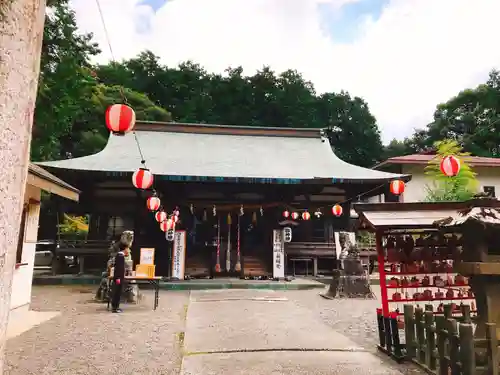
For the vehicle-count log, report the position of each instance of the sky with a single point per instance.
(402, 56)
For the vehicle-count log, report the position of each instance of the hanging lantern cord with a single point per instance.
(143, 161)
(122, 91)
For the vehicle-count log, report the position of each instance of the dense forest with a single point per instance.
(74, 94)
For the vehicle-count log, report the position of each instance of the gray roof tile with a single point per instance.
(182, 150)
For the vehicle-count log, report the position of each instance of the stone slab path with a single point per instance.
(250, 332)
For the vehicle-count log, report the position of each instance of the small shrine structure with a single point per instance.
(479, 225)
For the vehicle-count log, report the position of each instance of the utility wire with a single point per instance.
(122, 92)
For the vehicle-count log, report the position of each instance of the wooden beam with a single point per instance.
(52, 187)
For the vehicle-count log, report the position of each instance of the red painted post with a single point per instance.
(381, 272)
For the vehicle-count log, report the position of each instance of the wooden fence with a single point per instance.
(440, 343)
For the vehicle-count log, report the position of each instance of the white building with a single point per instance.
(38, 180)
(487, 169)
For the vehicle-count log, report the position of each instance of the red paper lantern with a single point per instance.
(164, 226)
(153, 203)
(337, 210)
(142, 179)
(161, 216)
(120, 119)
(397, 187)
(286, 214)
(450, 165)
(306, 215)
(170, 224)
(295, 215)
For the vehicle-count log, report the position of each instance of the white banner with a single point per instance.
(278, 254)
(179, 255)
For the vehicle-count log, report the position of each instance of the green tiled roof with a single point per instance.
(207, 151)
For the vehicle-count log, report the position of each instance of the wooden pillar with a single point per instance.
(138, 221)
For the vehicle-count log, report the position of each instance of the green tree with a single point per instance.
(65, 80)
(399, 148)
(89, 135)
(262, 99)
(450, 189)
(472, 118)
(353, 130)
(71, 102)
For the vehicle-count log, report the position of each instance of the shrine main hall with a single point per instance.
(231, 185)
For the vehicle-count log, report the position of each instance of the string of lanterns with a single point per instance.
(450, 166)
(120, 120)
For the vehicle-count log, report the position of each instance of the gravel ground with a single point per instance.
(86, 339)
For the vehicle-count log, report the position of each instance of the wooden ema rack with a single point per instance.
(418, 269)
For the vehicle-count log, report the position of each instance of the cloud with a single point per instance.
(416, 54)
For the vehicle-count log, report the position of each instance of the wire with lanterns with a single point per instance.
(121, 118)
(396, 187)
(450, 166)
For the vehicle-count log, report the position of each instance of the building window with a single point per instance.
(117, 224)
(490, 190)
(22, 229)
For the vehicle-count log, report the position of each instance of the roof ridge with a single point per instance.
(484, 161)
(179, 127)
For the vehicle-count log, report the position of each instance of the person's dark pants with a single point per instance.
(372, 266)
(117, 293)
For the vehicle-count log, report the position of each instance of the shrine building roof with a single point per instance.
(190, 152)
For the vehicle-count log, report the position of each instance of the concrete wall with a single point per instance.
(23, 275)
(416, 191)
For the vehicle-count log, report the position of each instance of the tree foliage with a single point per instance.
(264, 99)
(399, 148)
(71, 102)
(450, 189)
(74, 227)
(73, 95)
(472, 119)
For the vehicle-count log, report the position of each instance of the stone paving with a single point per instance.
(207, 332)
(354, 318)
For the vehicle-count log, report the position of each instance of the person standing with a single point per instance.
(118, 278)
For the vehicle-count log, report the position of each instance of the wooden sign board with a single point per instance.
(31, 226)
(147, 256)
(278, 254)
(179, 255)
